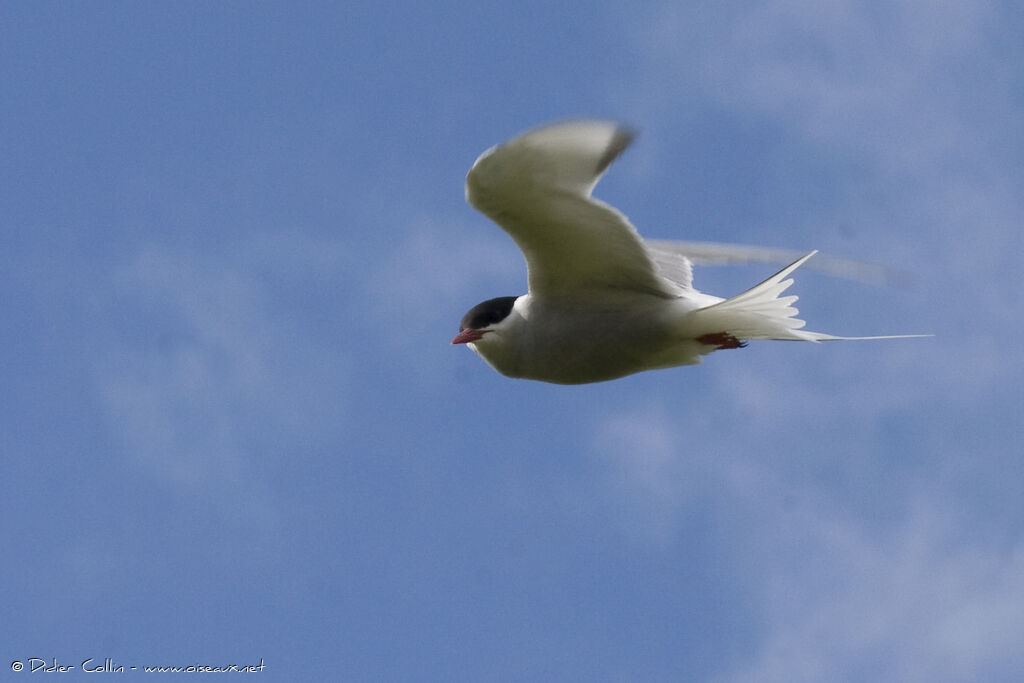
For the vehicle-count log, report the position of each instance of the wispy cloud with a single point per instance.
(847, 75)
(838, 596)
(917, 603)
(209, 368)
(436, 261)
(649, 474)
(415, 294)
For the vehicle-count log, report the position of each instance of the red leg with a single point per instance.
(723, 340)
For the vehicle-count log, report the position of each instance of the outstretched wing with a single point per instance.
(537, 188)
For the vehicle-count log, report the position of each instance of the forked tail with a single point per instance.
(760, 313)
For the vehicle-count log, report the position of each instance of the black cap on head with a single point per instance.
(487, 313)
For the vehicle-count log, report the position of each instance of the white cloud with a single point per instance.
(845, 74)
(444, 262)
(647, 474)
(432, 274)
(917, 603)
(838, 595)
(209, 368)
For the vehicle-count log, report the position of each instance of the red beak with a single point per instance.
(467, 335)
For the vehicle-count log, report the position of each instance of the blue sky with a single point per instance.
(236, 248)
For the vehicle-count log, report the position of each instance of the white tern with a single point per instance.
(603, 303)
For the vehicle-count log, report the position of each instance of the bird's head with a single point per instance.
(484, 318)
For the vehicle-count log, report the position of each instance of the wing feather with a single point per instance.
(537, 188)
(717, 253)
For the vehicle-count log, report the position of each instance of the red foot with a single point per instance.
(723, 340)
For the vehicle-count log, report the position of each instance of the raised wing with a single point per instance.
(537, 188)
(715, 253)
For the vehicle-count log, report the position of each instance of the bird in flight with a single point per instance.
(604, 303)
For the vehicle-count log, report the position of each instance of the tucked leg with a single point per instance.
(721, 340)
